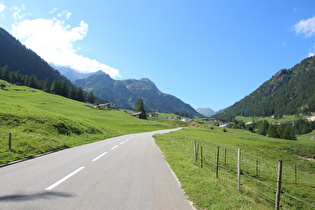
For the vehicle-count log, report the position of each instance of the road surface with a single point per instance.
(126, 172)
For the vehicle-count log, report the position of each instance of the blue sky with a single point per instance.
(207, 53)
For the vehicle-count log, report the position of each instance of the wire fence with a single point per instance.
(257, 176)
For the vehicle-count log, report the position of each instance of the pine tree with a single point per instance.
(139, 106)
(91, 98)
(272, 131)
(263, 127)
(80, 95)
(73, 92)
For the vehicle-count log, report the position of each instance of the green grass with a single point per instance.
(207, 192)
(42, 122)
(285, 118)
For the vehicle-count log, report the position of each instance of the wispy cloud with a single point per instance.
(2, 7)
(65, 14)
(306, 27)
(53, 10)
(18, 12)
(54, 40)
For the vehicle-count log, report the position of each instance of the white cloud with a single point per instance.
(17, 12)
(54, 41)
(2, 7)
(53, 10)
(65, 14)
(306, 27)
(311, 54)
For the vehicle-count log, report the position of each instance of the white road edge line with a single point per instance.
(64, 179)
(114, 147)
(95, 159)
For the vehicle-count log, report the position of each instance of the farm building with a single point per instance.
(106, 106)
(140, 115)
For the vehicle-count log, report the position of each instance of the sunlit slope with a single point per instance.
(41, 122)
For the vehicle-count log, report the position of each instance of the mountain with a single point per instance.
(73, 74)
(206, 111)
(18, 57)
(125, 93)
(287, 92)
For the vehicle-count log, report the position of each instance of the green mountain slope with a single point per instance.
(287, 92)
(42, 122)
(125, 93)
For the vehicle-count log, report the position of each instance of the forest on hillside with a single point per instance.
(289, 92)
(57, 87)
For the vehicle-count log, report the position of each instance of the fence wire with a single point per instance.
(247, 165)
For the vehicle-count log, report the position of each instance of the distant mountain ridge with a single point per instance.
(206, 111)
(125, 93)
(72, 74)
(287, 92)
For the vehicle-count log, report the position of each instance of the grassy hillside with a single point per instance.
(288, 92)
(285, 118)
(42, 122)
(208, 192)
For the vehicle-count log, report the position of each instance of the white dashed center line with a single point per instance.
(114, 147)
(95, 159)
(64, 179)
(79, 169)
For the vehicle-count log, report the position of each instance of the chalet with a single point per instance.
(172, 118)
(186, 119)
(154, 115)
(140, 115)
(212, 119)
(109, 105)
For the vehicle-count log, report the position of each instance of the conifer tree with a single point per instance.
(91, 98)
(139, 106)
(80, 95)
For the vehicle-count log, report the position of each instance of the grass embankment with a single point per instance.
(42, 122)
(207, 192)
(284, 119)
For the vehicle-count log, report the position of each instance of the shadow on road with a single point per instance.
(25, 197)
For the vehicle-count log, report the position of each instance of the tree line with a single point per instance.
(288, 92)
(288, 130)
(57, 87)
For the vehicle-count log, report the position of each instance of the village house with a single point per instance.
(172, 118)
(154, 115)
(212, 119)
(140, 115)
(186, 119)
(109, 105)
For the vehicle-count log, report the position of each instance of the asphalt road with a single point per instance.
(126, 172)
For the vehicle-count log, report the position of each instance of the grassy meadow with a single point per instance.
(208, 192)
(285, 118)
(42, 122)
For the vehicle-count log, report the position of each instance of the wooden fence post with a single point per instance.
(195, 151)
(295, 174)
(239, 169)
(257, 167)
(10, 140)
(277, 204)
(224, 156)
(201, 157)
(217, 171)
